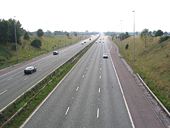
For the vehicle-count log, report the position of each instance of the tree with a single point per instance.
(163, 38)
(40, 33)
(75, 33)
(7, 31)
(67, 34)
(145, 35)
(159, 33)
(4, 34)
(36, 43)
(26, 36)
(165, 34)
(123, 36)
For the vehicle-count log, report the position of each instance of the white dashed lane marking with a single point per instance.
(77, 88)
(67, 111)
(98, 113)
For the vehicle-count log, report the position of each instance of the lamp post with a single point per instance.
(133, 36)
(15, 34)
(120, 30)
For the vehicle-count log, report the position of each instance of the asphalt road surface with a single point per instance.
(89, 97)
(144, 113)
(14, 83)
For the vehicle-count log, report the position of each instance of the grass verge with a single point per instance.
(152, 63)
(14, 115)
(27, 52)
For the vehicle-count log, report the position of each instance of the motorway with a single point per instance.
(14, 83)
(89, 97)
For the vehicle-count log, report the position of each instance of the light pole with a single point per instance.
(120, 30)
(121, 26)
(16, 46)
(133, 36)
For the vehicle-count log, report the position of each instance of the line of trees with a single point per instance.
(122, 36)
(147, 35)
(7, 31)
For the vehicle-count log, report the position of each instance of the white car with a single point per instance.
(105, 56)
(55, 52)
(30, 70)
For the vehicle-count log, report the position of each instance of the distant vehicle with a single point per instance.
(105, 56)
(55, 52)
(90, 39)
(84, 41)
(30, 70)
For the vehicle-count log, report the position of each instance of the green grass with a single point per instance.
(152, 63)
(27, 52)
(36, 95)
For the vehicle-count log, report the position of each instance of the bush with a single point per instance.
(126, 46)
(36, 43)
(163, 38)
(13, 47)
(2, 59)
(40, 33)
(123, 36)
(26, 36)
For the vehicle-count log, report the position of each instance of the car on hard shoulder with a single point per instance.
(30, 70)
(55, 52)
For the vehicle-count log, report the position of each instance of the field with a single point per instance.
(27, 52)
(152, 62)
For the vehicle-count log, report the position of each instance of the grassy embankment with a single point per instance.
(28, 102)
(152, 63)
(26, 51)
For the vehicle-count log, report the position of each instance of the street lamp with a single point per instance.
(121, 26)
(133, 36)
(120, 30)
(16, 46)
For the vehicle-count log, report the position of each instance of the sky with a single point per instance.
(91, 15)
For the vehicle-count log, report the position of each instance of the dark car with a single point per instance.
(55, 52)
(30, 70)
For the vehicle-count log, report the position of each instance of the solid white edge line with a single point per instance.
(30, 87)
(32, 63)
(50, 94)
(130, 116)
(3, 92)
(67, 110)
